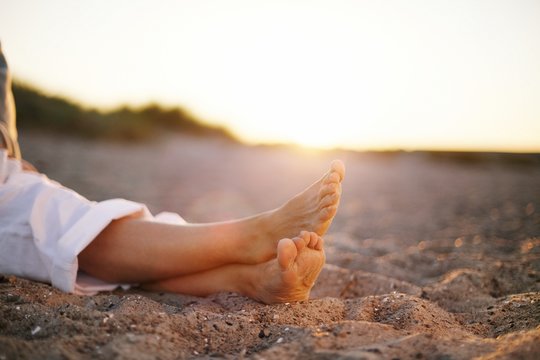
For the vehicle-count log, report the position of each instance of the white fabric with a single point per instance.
(44, 226)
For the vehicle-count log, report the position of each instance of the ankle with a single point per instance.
(244, 281)
(267, 223)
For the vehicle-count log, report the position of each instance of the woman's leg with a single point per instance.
(288, 277)
(133, 250)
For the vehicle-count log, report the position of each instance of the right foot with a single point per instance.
(291, 275)
(312, 210)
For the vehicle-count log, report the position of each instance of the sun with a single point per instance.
(316, 140)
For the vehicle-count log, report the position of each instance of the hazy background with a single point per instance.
(432, 253)
(450, 75)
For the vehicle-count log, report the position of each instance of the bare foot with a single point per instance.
(286, 278)
(312, 210)
(292, 274)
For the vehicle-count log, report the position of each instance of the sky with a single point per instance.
(360, 74)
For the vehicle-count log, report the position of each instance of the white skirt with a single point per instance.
(44, 226)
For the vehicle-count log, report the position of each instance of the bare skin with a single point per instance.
(132, 250)
(287, 278)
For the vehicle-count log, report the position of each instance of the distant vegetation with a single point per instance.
(38, 111)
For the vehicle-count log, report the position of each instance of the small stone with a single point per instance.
(279, 341)
(13, 298)
(529, 209)
(36, 330)
(131, 338)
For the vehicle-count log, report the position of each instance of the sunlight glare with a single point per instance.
(320, 73)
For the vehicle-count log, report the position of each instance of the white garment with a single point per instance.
(44, 226)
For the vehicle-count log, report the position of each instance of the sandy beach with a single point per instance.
(431, 256)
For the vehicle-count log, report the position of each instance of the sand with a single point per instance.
(430, 256)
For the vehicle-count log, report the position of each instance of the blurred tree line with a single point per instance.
(47, 113)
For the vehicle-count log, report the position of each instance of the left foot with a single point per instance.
(291, 275)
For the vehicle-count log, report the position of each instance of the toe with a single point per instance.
(327, 213)
(286, 253)
(313, 240)
(328, 189)
(304, 235)
(300, 243)
(332, 177)
(320, 243)
(338, 167)
(329, 200)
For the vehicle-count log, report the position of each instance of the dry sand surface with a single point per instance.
(430, 257)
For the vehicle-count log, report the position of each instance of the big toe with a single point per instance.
(286, 253)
